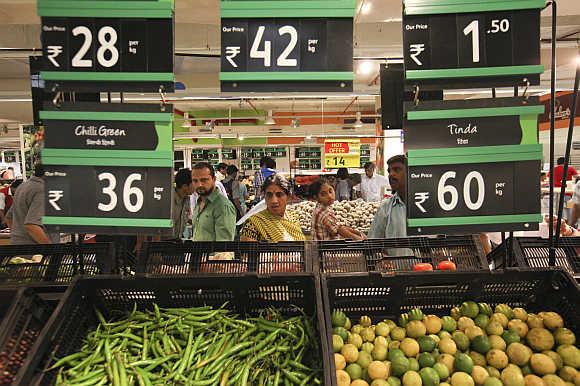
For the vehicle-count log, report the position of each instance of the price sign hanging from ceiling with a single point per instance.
(117, 45)
(287, 45)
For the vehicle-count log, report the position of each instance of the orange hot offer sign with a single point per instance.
(343, 153)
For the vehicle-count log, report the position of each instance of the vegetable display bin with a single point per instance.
(386, 297)
(246, 295)
(23, 315)
(182, 258)
(58, 263)
(400, 255)
(533, 252)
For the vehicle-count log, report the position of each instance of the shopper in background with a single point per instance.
(391, 218)
(27, 210)
(343, 185)
(237, 192)
(372, 185)
(214, 216)
(218, 185)
(220, 175)
(324, 223)
(559, 172)
(273, 224)
(6, 200)
(267, 168)
(8, 174)
(181, 205)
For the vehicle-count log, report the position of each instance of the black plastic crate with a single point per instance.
(59, 263)
(533, 252)
(245, 294)
(387, 297)
(400, 255)
(21, 325)
(183, 258)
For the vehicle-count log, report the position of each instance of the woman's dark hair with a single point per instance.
(342, 173)
(231, 169)
(221, 166)
(279, 181)
(270, 163)
(317, 185)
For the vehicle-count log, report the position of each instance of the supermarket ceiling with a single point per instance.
(377, 35)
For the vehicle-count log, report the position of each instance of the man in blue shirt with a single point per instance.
(391, 218)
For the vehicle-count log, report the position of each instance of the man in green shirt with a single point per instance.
(214, 216)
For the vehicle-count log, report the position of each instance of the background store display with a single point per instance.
(458, 44)
(287, 45)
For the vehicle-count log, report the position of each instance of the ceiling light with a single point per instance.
(241, 137)
(358, 123)
(186, 122)
(295, 123)
(366, 67)
(366, 8)
(309, 136)
(270, 118)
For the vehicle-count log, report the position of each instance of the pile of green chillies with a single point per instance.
(195, 346)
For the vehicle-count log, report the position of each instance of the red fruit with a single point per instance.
(447, 265)
(423, 267)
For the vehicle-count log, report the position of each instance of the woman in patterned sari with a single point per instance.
(274, 224)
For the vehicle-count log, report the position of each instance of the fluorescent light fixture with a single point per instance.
(309, 136)
(366, 67)
(241, 137)
(186, 122)
(366, 8)
(358, 123)
(209, 126)
(270, 118)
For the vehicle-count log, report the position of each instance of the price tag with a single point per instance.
(107, 46)
(297, 46)
(342, 154)
(122, 199)
(475, 197)
(459, 44)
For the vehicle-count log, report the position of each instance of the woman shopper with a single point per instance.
(343, 185)
(273, 224)
(324, 223)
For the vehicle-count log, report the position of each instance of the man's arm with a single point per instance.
(37, 233)
(225, 222)
(379, 225)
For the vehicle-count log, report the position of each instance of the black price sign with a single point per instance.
(100, 46)
(492, 46)
(124, 198)
(473, 197)
(286, 51)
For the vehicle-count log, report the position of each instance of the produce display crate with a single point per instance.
(59, 263)
(183, 258)
(533, 252)
(23, 317)
(400, 255)
(381, 297)
(249, 294)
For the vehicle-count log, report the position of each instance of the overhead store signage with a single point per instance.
(474, 193)
(108, 130)
(121, 45)
(273, 45)
(108, 168)
(455, 43)
(473, 165)
(342, 154)
(108, 199)
(472, 123)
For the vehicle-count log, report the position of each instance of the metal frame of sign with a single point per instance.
(484, 122)
(462, 76)
(113, 81)
(527, 159)
(138, 126)
(301, 11)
